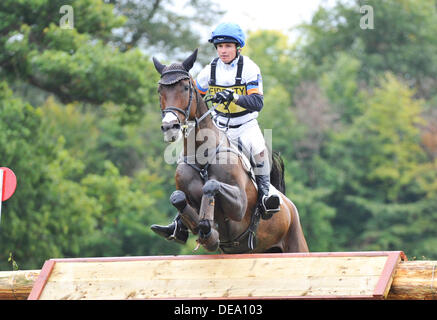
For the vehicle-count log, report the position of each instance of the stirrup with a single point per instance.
(270, 205)
(173, 235)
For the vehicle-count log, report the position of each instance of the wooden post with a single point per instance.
(413, 280)
(16, 285)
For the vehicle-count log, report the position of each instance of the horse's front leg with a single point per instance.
(188, 215)
(231, 202)
(208, 235)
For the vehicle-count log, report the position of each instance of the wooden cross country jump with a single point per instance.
(341, 275)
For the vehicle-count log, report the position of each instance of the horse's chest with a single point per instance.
(192, 187)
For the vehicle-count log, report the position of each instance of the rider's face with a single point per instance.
(227, 51)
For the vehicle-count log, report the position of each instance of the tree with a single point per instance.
(71, 200)
(275, 56)
(49, 215)
(378, 159)
(161, 26)
(341, 85)
(403, 40)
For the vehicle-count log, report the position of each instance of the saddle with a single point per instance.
(248, 165)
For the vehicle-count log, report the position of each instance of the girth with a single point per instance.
(245, 241)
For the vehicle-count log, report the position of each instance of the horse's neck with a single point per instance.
(201, 109)
(205, 128)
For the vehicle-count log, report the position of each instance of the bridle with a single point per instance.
(187, 125)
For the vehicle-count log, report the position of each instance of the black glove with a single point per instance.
(224, 96)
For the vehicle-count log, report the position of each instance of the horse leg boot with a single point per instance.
(269, 202)
(209, 237)
(187, 216)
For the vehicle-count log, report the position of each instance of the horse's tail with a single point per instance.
(277, 172)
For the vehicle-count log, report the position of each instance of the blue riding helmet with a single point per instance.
(228, 32)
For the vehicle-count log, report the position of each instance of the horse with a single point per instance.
(215, 195)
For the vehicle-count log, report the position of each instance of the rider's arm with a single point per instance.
(252, 102)
(199, 88)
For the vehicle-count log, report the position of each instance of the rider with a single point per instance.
(235, 82)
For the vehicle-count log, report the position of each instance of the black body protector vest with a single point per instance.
(233, 109)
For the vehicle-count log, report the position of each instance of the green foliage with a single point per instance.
(380, 154)
(341, 86)
(49, 206)
(352, 113)
(404, 39)
(275, 56)
(386, 139)
(84, 70)
(13, 262)
(160, 26)
(88, 179)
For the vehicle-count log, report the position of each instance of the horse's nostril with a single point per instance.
(169, 126)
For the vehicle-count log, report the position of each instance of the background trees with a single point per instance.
(352, 112)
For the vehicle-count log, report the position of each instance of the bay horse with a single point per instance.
(215, 195)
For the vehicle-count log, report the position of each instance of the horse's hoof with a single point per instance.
(204, 228)
(210, 241)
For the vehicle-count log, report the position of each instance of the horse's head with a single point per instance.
(176, 91)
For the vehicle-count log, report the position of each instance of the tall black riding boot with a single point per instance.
(269, 203)
(176, 230)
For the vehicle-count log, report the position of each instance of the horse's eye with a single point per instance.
(186, 88)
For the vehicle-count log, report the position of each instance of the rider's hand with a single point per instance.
(224, 96)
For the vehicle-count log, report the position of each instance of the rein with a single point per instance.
(187, 110)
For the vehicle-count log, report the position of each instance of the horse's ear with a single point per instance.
(158, 65)
(189, 62)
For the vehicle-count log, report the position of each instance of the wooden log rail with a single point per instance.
(16, 285)
(413, 280)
